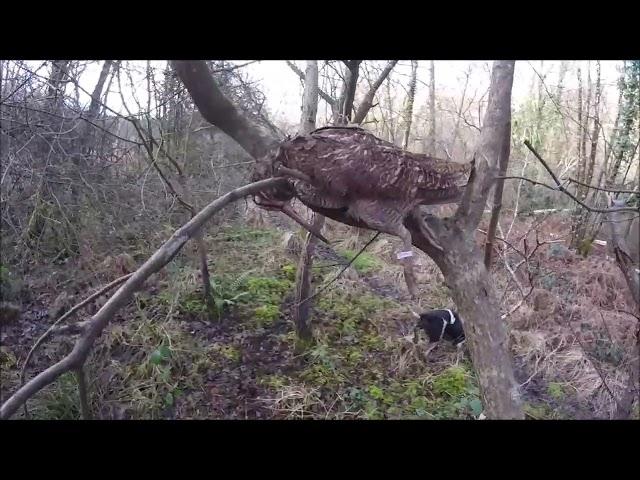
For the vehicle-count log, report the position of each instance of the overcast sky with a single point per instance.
(283, 89)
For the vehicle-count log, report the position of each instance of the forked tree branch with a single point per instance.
(367, 101)
(489, 155)
(52, 328)
(99, 321)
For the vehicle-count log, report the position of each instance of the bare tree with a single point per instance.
(408, 111)
(348, 95)
(303, 280)
(307, 124)
(338, 105)
(462, 263)
(431, 139)
(57, 81)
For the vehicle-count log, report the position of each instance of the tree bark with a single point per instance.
(4, 138)
(560, 88)
(618, 223)
(431, 142)
(408, 112)
(367, 101)
(83, 389)
(629, 114)
(87, 130)
(94, 106)
(349, 91)
(305, 262)
(324, 95)
(585, 130)
(462, 265)
(497, 200)
(56, 81)
(596, 127)
(580, 127)
(628, 266)
(219, 111)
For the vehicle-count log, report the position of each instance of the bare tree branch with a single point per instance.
(613, 190)
(367, 101)
(559, 187)
(99, 321)
(218, 110)
(52, 328)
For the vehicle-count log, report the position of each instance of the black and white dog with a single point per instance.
(440, 325)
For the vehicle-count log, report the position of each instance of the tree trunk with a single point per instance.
(4, 138)
(628, 266)
(431, 142)
(57, 79)
(408, 112)
(576, 216)
(497, 200)
(560, 87)
(586, 224)
(310, 98)
(580, 127)
(349, 91)
(596, 127)
(585, 131)
(94, 106)
(474, 294)
(618, 223)
(391, 127)
(87, 130)
(305, 262)
(630, 111)
(462, 265)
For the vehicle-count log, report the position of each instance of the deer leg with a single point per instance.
(407, 260)
(388, 217)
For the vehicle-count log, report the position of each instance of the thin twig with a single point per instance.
(573, 180)
(561, 188)
(73, 310)
(326, 285)
(591, 209)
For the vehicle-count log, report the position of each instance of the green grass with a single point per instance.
(152, 366)
(365, 263)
